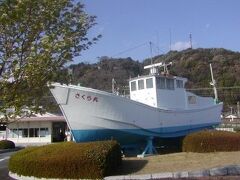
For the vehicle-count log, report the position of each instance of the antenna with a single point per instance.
(213, 83)
(190, 40)
(150, 43)
(157, 43)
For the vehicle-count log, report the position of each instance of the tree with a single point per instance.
(37, 39)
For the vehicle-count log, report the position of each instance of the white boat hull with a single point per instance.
(97, 115)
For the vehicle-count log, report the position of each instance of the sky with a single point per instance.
(128, 26)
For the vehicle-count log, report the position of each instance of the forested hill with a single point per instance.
(100, 74)
(191, 63)
(194, 64)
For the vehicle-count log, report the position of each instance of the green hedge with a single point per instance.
(68, 160)
(6, 144)
(211, 141)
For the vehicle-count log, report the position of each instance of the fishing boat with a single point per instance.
(159, 107)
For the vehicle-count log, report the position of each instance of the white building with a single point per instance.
(37, 130)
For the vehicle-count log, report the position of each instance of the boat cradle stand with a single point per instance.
(149, 149)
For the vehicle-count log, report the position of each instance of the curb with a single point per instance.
(10, 150)
(231, 170)
(19, 177)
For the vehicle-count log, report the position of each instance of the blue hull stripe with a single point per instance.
(126, 136)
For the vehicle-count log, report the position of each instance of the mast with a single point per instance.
(213, 83)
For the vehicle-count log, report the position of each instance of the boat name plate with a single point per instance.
(86, 98)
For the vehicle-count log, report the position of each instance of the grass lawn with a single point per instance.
(177, 162)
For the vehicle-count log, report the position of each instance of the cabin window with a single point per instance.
(179, 84)
(133, 86)
(140, 84)
(192, 100)
(170, 84)
(161, 83)
(149, 83)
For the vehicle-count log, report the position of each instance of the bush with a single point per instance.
(68, 160)
(6, 144)
(211, 141)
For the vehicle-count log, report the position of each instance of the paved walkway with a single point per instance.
(4, 158)
(232, 170)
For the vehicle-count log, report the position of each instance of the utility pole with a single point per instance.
(190, 40)
(231, 110)
(238, 110)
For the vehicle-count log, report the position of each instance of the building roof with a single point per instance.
(43, 117)
(231, 116)
(231, 121)
(52, 119)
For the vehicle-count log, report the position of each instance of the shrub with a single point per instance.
(68, 160)
(6, 144)
(211, 141)
(236, 129)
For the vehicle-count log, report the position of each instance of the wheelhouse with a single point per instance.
(165, 91)
(151, 89)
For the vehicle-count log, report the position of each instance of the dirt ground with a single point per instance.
(177, 162)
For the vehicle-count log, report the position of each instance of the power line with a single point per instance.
(157, 48)
(220, 88)
(130, 49)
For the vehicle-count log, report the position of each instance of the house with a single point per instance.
(230, 123)
(37, 130)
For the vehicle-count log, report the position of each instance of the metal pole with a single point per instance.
(213, 83)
